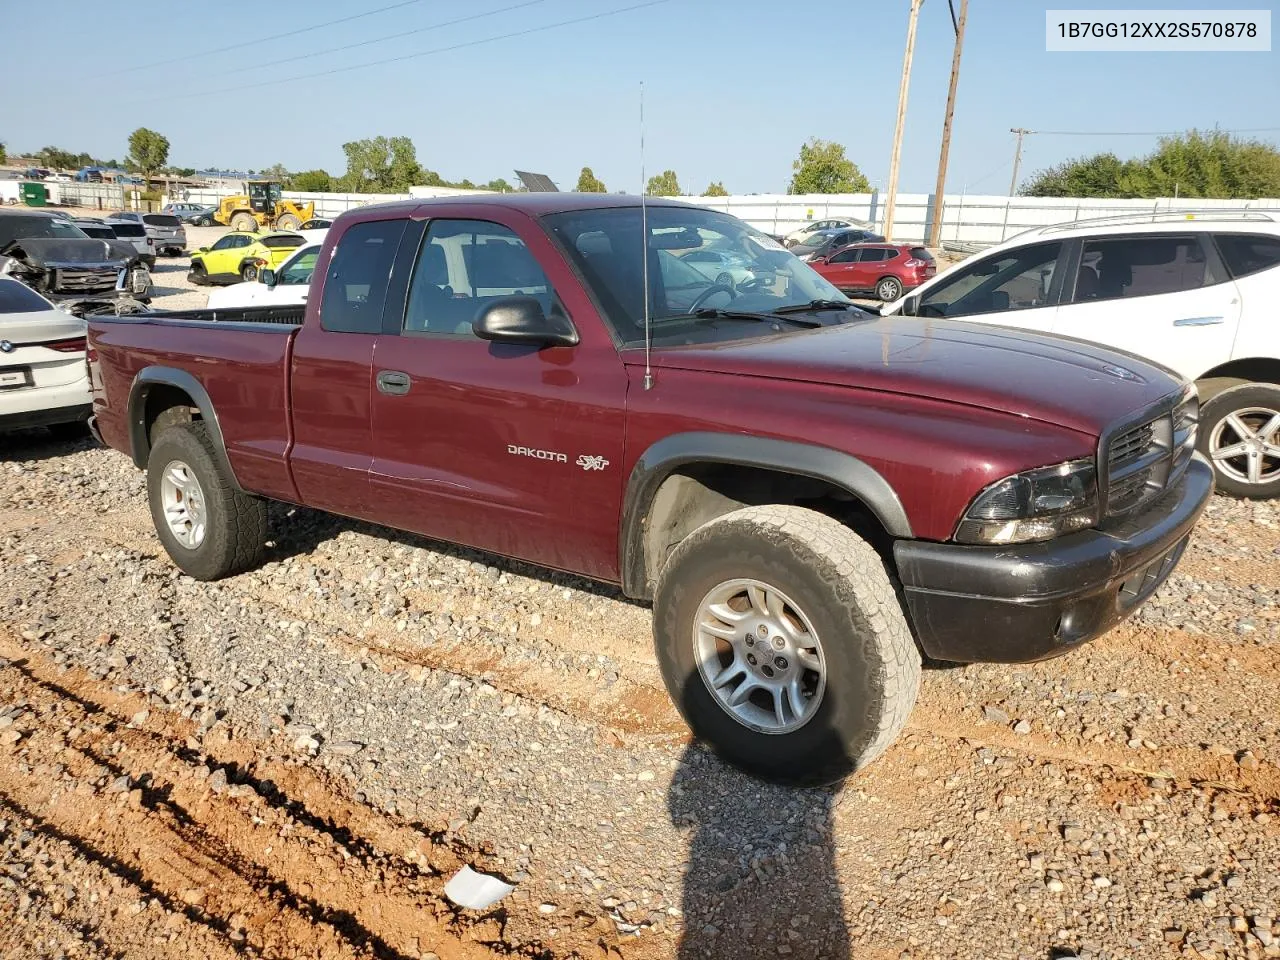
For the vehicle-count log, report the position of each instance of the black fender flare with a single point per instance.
(664, 457)
(147, 379)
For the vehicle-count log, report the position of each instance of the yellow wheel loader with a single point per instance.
(262, 206)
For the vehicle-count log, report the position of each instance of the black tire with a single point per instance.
(888, 289)
(288, 222)
(235, 523)
(243, 222)
(840, 582)
(72, 430)
(1256, 405)
(248, 272)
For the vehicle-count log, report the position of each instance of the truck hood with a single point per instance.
(1069, 383)
(65, 251)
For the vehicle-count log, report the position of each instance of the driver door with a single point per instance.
(1018, 287)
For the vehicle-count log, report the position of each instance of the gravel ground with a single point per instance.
(292, 762)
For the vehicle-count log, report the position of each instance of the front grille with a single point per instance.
(1144, 460)
(87, 280)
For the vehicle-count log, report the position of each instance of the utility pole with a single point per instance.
(1017, 157)
(935, 230)
(896, 156)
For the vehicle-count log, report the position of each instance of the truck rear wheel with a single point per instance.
(243, 221)
(208, 528)
(781, 639)
(288, 222)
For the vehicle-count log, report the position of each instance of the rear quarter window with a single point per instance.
(160, 220)
(128, 229)
(1246, 253)
(283, 241)
(355, 283)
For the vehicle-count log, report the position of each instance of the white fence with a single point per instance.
(972, 220)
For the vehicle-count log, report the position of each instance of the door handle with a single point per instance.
(1197, 321)
(393, 383)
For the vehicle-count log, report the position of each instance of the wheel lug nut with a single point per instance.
(751, 641)
(779, 643)
(751, 659)
(762, 631)
(780, 662)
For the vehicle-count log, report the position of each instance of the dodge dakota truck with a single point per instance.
(814, 498)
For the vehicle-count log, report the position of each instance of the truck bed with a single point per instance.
(240, 358)
(289, 314)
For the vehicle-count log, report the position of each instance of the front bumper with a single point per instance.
(1032, 601)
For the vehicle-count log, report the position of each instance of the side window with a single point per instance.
(845, 256)
(891, 254)
(1015, 280)
(465, 265)
(301, 269)
(874, 255)
(224, 243)
(355, 285)
(1246, 254)
(1140, 267)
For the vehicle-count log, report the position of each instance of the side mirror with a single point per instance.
(521, 320)
(911, 305)
(203, 250)
(268, 277)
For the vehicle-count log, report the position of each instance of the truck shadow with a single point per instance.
(761, 877)
(297, 531)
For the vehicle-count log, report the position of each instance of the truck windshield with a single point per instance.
(19, 227)
(757, 276)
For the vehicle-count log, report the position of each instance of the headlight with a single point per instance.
(1035, 505)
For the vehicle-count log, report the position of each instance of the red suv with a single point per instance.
(886, 269)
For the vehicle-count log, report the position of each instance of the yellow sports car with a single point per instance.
(240, 254)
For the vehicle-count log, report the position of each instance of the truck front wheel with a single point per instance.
(781, 639)
(208, 528)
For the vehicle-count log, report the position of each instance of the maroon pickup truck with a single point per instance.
(814, 497)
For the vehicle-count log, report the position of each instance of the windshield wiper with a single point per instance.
(719, 313)
(819, 305)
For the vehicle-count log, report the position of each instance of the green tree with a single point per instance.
(822, 167)
(3, 155)
(148, 151)
(499, 185)
(664, 184)
(381, 165)
(1194, 164)
(715, 189)
(276, 172)
(57, 158)
(311, 181)
(588, 182)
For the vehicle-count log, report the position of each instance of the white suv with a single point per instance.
(1196, 291)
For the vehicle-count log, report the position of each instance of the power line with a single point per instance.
(408, 33)
(413, 56)
(258, 40)
(1136, 133)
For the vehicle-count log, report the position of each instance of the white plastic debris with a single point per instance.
(475, 891)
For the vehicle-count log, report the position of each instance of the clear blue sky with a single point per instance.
(733, 87)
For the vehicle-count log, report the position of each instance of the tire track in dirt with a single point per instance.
(640, 707)
(277, 857)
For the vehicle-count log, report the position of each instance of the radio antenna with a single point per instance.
(644, 254)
